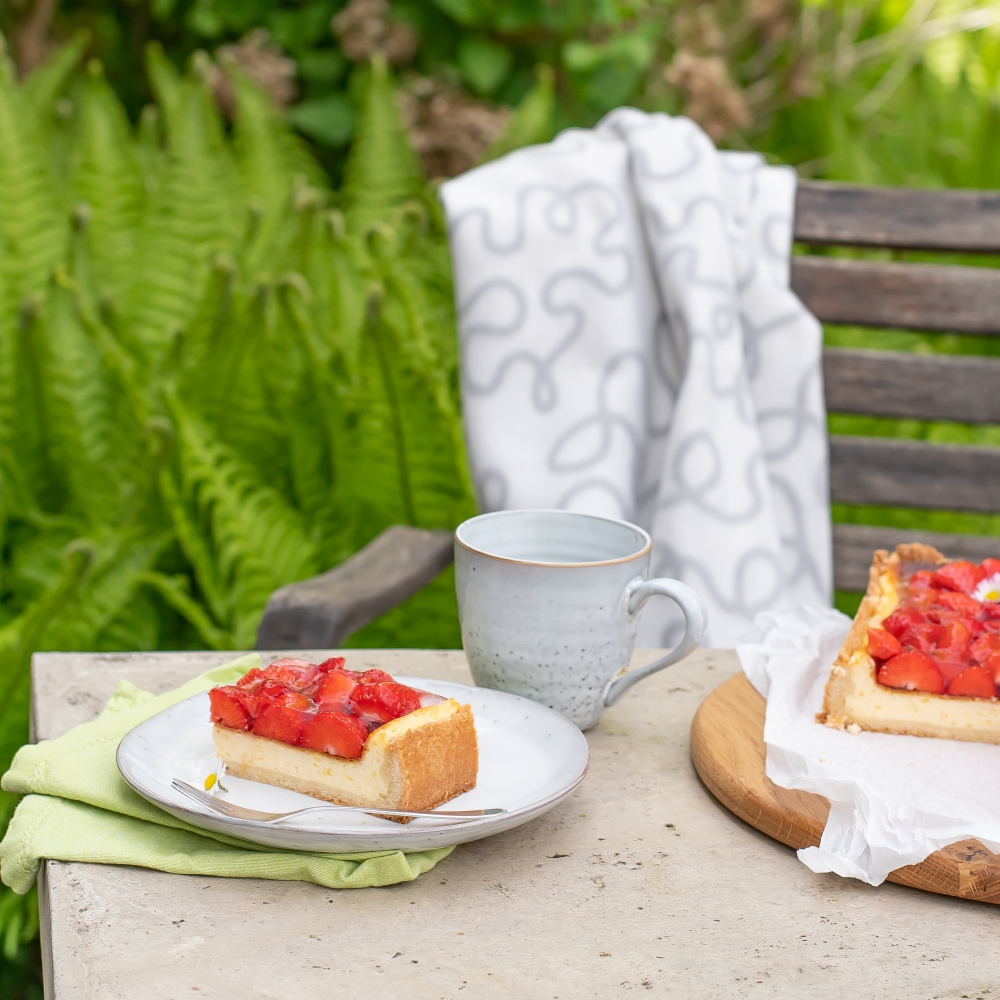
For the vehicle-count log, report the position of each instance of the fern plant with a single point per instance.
(217, 375)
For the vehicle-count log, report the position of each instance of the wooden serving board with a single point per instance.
(727, 748)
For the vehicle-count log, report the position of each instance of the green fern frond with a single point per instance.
(195, 213)
(43, 85)
(532, 122)
(105, 175)
(255, 540)
(382, 170)
(33, 227)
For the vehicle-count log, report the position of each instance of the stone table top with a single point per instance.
(637, 882)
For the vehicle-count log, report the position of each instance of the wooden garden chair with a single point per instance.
(320, 613)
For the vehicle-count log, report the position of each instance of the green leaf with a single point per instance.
(329, 120)
(485, 64)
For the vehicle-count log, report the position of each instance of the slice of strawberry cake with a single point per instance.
(923, 655)
(357, 739)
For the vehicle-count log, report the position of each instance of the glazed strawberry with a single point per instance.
(959, 576)
(920, 580)
(385, 701)
(375, 677)
(989, 567)
(955, 637)
(336, 686)
(335, 733)
(960, 603)
(901, 620)
(333, 663)
(281, 722)
(226, 708)
(986, 644)
(913, 671)
(883, 645)
(992, 666)
(950, 666)
(973, 682)
(282, 702)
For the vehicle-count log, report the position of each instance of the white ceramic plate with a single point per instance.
(530, 758)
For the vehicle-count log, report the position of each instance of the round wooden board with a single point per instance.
(727, 748)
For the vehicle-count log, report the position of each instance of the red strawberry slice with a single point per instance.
(914, 671)
(335, 733)
(282, 723)
(375, 677)
(920, 580)
(335, 687)
(252, 678)
(961, 603)
(950, 666)
(385, 701)
(973, 682)
(955, 637)
(992, 666)
(989, 567)
(333, 663)
(982, 647)
(226, 708)
(901, 620)
(962, 576)
(883, 645)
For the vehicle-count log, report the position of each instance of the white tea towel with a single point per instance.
(893, 799)
(630, 347)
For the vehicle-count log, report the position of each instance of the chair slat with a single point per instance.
(853, 545)
(902, 218)
(910, 296)
(913, 474)
(921, 386)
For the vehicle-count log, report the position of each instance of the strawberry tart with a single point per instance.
(356, 739)
(923, 655)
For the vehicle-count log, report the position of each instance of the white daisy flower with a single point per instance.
(213, 780)
(989, 589)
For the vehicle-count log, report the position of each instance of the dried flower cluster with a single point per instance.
(449, 129)
(365, 26)
(713, 100)
(262, 60)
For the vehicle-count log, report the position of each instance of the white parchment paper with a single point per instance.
(894, 799)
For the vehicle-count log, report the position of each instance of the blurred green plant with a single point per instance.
(888, 91)
(217, 375)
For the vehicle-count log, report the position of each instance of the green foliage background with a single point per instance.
(227, 354)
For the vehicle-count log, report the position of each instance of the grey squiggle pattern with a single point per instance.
(630, 347)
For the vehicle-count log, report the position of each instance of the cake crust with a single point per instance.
(853, 697)
(417, 761)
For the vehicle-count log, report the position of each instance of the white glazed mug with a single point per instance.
(549, 602)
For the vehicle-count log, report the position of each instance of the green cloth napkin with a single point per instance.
(79, 808)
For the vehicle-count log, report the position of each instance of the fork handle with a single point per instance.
(408, 813)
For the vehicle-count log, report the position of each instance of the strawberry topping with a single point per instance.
(386, 700)
(913, 671)
(323, 707)
(941, 639)
(335, 733)
(227, 709)
(883, 645)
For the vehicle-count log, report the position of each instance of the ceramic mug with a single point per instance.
(549, 602)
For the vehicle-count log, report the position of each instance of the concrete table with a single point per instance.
(639, 881)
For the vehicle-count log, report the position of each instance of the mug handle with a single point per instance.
(695, 622)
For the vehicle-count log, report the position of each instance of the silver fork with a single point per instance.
(241, 812)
